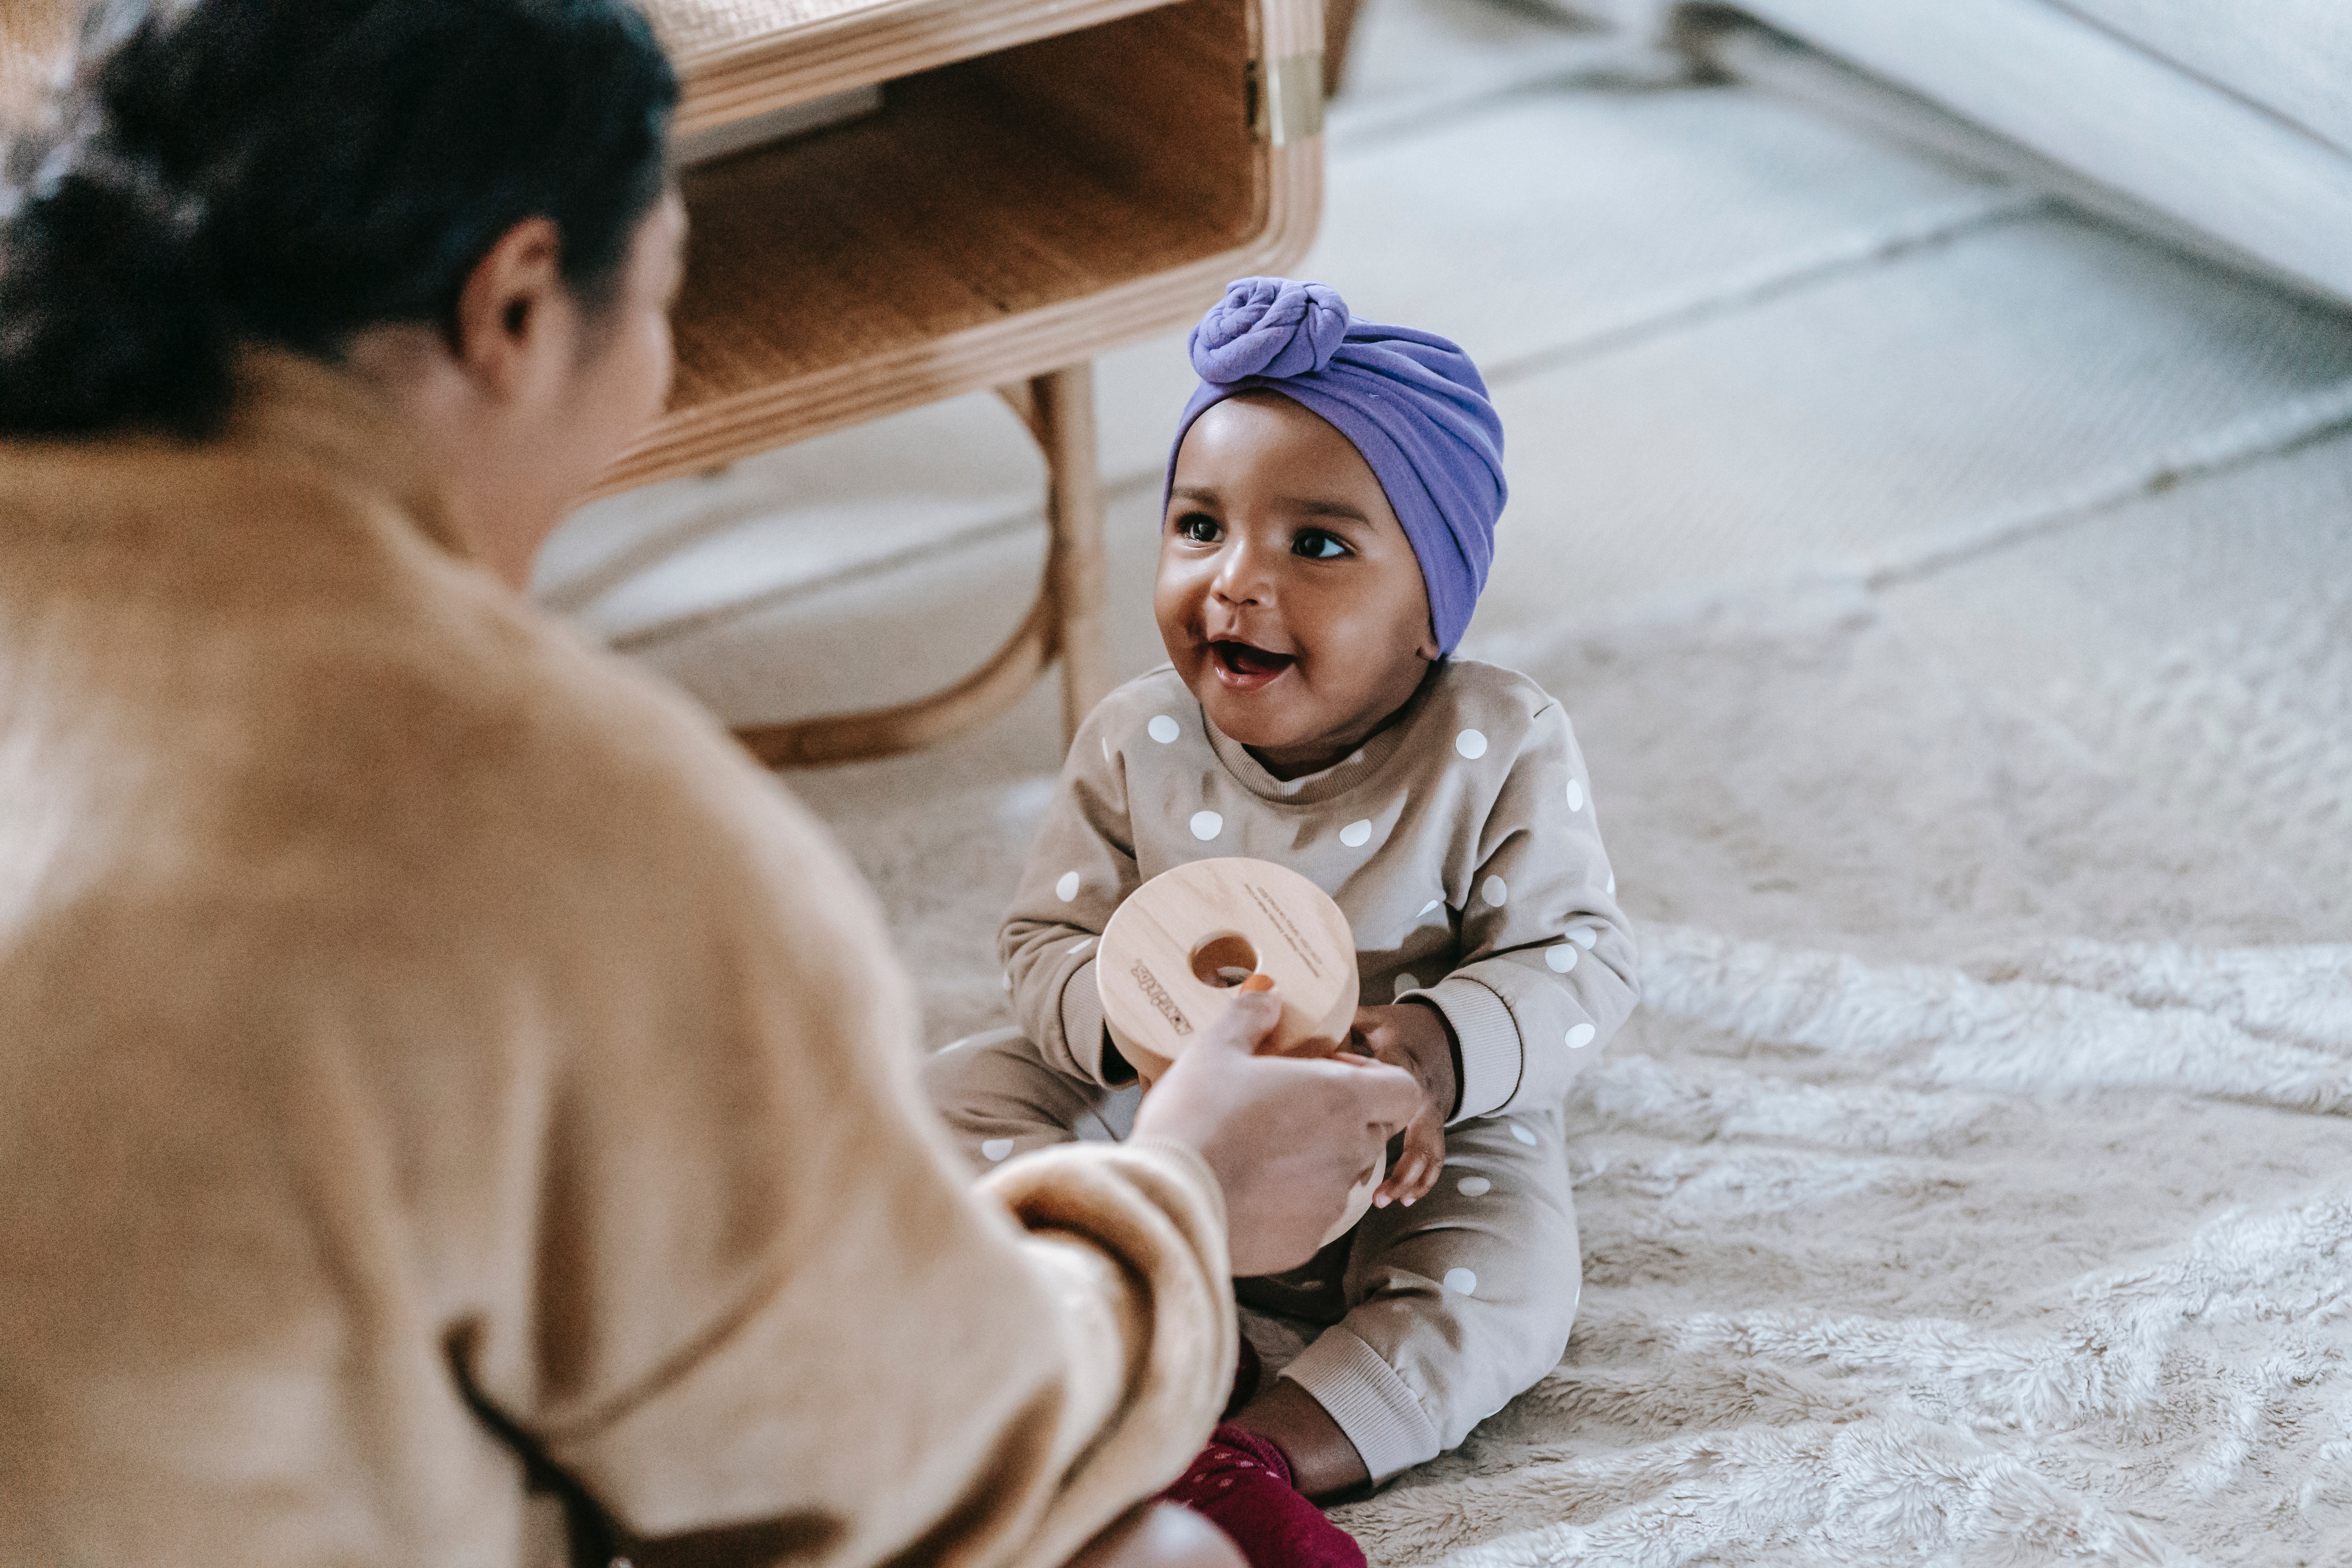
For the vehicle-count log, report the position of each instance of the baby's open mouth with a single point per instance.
(1245, 667)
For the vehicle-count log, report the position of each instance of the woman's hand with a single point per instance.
(1287, 1137)
(1414, 1036)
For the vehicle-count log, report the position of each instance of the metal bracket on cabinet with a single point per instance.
(1286, 98)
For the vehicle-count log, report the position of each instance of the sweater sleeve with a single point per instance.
(1549, 968)
(1079, 868)
(774, 1318)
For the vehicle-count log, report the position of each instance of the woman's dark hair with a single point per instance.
(290, 172)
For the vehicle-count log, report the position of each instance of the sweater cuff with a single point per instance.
(1082, 1024)
(1370, 1403)
(1211, 1190)
(1489, 1037)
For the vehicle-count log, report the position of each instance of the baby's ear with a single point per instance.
(1429, 651)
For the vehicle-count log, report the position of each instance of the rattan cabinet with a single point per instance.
(1042, 180)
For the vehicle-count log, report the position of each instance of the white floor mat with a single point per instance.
(1976, 1186)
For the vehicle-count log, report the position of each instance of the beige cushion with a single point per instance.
(2079, 90)
(2291, 56)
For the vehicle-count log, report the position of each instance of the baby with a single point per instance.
(1330, 517)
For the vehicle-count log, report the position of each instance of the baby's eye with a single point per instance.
(1318, 546)
(1199, 527)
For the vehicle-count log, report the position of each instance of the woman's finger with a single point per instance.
(1246, 1023)
(1384, 1099)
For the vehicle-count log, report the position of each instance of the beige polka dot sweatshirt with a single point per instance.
(1459, 842)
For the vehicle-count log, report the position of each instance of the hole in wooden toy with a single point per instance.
(1224, 960)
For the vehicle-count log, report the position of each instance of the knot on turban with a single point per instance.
(1269, 326)
(1410, 402)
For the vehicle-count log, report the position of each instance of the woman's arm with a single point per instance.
(768, 1291)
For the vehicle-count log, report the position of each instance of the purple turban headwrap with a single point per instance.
(1411, 402)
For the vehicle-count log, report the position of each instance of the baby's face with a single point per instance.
(1288, 596)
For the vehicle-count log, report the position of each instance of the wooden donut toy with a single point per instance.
(1180, 946)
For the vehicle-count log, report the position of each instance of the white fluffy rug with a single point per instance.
(1977, 1185)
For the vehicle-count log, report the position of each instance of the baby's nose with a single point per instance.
(1241, 578)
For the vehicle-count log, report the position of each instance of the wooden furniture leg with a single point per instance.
(1074, 565)
(1066, 621)
(1339, 30)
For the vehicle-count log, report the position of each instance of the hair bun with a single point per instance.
(106, 296)
(1273, 327)
(291, 173)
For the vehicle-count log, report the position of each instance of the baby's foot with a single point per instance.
(1241, 1483)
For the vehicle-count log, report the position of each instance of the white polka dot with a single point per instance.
(1432, 904)
(997, 1148)
(1474, 1186)
(1561, 958)
(1358, 834)
(1495, 890)
(1523, 1135)
(1068, 888)
(1583, 936)
(1354, 757)
(1462, 1282)
(1207, 825)
(1163, 730)
(1471, 744)
(1576, 795)
(1580, 1036)
(1405, 983)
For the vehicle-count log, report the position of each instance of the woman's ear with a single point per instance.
(515, 326)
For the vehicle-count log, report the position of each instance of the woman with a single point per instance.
(435, 1069)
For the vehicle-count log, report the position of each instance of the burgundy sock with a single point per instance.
(1241, 1483)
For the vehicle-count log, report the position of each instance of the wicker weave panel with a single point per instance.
(998, 218)
(697, 30)
(745, 58)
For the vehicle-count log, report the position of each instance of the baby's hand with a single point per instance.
(1413, 1036)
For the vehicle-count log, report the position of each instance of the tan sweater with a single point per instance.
(401, 1000)
(1460, 841)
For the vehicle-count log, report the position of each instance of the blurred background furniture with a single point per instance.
(1042, 180)
(1339, 30)
(2226, 128)
(31, 33)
